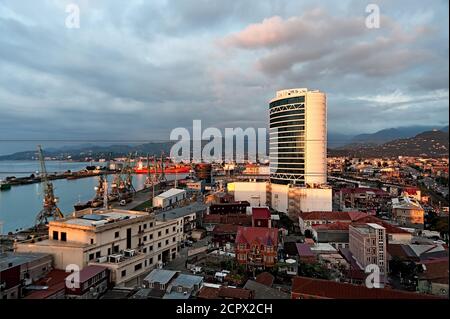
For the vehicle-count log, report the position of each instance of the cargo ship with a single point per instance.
(169, 168)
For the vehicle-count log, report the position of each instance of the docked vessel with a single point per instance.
(4, 185)
(169, 168)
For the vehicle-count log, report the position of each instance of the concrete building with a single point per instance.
(298, 137)
(128, 243)
(90, 284)
(256, 193)
(407, 211)
(20, 269)
(169, 198)
(186, 218)
(367, 243)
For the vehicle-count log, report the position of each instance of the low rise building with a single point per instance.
(257, 247)
(18, 270)
(261, 217)
(213, 291)
(408, 212)
(187, 218)
(312, 288)
(91, 283)
(128, 243)
(169, 198)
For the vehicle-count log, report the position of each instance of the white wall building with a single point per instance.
(168, 198)
(298, 137)
(129, 243)
(253, 192)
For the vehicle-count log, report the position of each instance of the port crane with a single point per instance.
(162, 176)
(49, 209)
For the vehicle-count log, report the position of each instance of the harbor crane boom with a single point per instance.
(49, 209)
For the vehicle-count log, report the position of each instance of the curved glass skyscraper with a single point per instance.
(298, 137)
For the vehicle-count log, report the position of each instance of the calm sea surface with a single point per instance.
(20, 205)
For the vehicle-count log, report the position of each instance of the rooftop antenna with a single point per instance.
(50, 209)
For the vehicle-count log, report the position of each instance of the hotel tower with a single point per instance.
(298, 138)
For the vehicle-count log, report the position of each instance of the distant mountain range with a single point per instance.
(392, 141)
(79, 152)
(342, 141)
(431, 143)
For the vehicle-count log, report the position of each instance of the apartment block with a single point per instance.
(367, 243)
(128, 243)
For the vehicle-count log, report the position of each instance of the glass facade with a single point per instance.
(287, 146)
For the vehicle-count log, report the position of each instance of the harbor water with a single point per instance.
(20, 205)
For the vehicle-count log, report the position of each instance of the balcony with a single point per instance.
(124, 257)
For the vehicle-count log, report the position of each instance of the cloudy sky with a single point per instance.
(135, 70)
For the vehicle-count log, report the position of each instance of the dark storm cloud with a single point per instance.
(137, 69)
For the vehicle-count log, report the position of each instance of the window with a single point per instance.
(151, 261)
(91, 256)
(151, 225)
(55, 235)
(92, 241)
(144, 250)
(151, 236)
(150, 248)
(159, 234)
(173, 239)
(159, 245)
(98, 254)
(167, 242)
(159, 257)
(116, 234)
(145, 226)
(124, 273)
(167, 231)
(138, 267)
(116, 249)
(173, 228)
(145, 238)
(63, 236)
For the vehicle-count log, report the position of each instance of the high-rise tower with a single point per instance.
(298, 137)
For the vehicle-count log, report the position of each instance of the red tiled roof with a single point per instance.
(224, 292)
(361, 190)
(90, 271)
(342, 216)
(262, 235)
(320, 288)
(390, 229)
(56, 282)
(225, 229)
(332, 226)
(436, 270)
(261, 213)
(265, 278)
(237, 219)
(208, 293)
(235, 293)
(212, 218)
